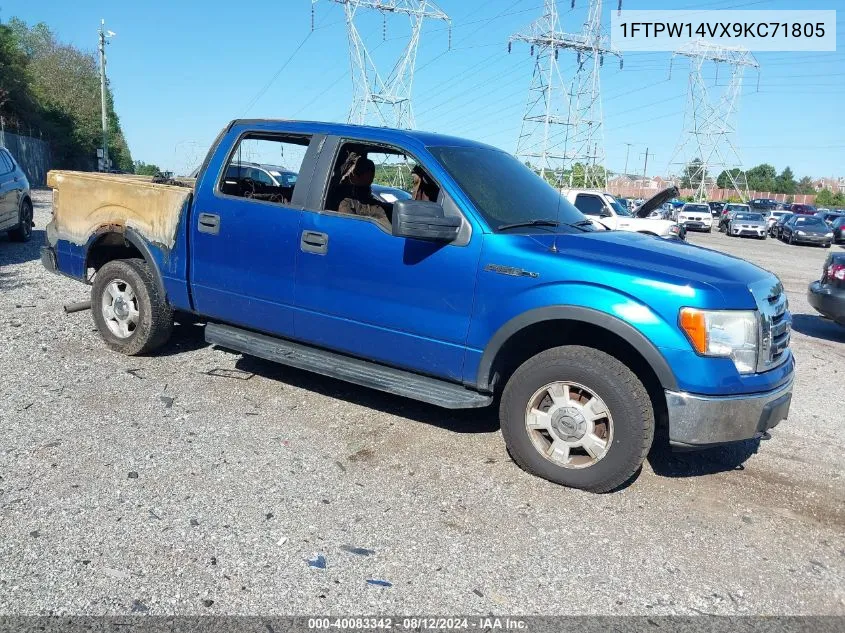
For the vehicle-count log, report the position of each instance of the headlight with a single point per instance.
(723, 333)
(800, 233)
(829, 234)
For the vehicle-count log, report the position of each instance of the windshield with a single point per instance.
(505, 191)
(810, 222)
(738, 207)
(751, 217)
(696, 208)
(620, 208)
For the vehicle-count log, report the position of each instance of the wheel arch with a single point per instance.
(111, 243)
(542, 328)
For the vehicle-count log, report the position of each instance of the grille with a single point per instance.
(775, 323)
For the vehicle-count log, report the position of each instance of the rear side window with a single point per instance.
(589, 205)
(256, 157)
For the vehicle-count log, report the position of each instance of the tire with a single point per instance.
(827, 245)
(153, 316)
(628, 423)
(23, 231)
(790, 240)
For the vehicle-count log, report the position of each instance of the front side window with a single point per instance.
(506, 192)
(245, 176)
(589, 204)
(6, 164)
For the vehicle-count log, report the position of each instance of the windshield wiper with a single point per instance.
(517, 225)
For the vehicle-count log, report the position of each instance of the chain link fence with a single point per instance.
(32, 153)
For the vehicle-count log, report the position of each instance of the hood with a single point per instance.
(813, 228)
(647, 257)
(655, 202)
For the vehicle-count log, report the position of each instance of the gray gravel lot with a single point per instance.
(197, 481)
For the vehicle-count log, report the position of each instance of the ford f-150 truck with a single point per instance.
(486, 285)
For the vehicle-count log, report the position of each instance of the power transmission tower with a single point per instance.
(562, 125)
(103, 37)
(376, 98)
(707, 144)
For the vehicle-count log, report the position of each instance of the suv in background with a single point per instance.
(270, 175)
(802, 209)
(15, 200)
(696, 217)
(763, 204)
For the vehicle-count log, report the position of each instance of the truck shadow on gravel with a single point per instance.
(667, 463)
(458, 421)
(818, 327)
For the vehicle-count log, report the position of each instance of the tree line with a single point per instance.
(763, 177)
(55, 88)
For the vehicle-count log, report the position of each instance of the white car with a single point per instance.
(605, 211)
(771, 217)
(696, 217)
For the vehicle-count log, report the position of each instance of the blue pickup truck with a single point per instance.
(484, 285)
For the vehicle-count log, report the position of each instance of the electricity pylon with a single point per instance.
(562, 125)
(378, 99)
(707, 145)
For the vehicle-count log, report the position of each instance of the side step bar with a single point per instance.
(361, 372)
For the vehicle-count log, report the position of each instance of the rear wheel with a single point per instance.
(23, 231)
(129, 309)
(578, 417)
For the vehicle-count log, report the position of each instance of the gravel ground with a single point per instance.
(197, 481)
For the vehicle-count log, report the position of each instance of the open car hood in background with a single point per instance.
(656, 201)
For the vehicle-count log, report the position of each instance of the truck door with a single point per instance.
(244, 234)
(362, 291)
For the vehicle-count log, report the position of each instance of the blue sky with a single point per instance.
(181, 69)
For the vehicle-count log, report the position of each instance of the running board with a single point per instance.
(360, 372)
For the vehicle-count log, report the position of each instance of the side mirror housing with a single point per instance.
(422, 220)
(606, 214)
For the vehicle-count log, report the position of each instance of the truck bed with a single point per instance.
(85, 202)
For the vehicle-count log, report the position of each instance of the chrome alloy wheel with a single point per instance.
(119, 306)
(569, 424)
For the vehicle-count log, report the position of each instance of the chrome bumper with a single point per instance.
(706, 420)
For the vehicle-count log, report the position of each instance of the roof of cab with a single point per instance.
(428, 139)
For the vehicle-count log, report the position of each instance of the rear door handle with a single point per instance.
(314, 242)
(208, 223)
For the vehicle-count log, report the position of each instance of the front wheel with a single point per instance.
(578, 417)
(790, 240)
(129, 308)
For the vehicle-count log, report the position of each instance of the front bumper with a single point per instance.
(749, 232)
(827, 301)
(700, 421)
(811, 239)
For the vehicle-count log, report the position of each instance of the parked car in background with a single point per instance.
(827, 295)
(776, 228)
(716, 208)
(743, 224)
(771, 217)
(15, 200)
(729, 211)
(695, 217)
(828, 216)
(838, 229)
(804, 229)
(269, 175)
(607, 212)
(763, 204)
(802, 209)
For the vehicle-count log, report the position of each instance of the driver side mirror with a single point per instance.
(606, 214)
(423, 220)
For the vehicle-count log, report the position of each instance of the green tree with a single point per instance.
(726, 179)
(694, 174)
(785, 183)
(65, 88)
(762, 177)
(146, 169)
(805, 186)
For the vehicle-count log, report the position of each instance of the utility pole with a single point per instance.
(707, 141)
(574, 108)
(627, 151)
(645, 165)
(104, 35)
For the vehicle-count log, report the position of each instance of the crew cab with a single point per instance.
(606, 212)
(487, 285)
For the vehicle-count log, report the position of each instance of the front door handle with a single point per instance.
(208, 223)
(314, 242)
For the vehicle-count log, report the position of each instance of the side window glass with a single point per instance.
(246, 174)
(5, 163)
(589, 205)
(367, 179)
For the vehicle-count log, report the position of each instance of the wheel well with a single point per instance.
(538, 337)
(107, 248)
